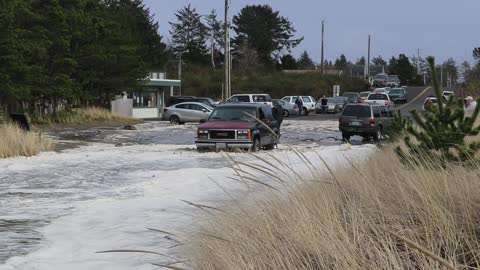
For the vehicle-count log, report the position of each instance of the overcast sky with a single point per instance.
(443, 28)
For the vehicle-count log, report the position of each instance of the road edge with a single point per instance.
(415, 98)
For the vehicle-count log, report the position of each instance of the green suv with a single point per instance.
(366, 120)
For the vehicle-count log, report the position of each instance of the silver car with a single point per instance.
(187, 112)
(288, 108)
(331, 107)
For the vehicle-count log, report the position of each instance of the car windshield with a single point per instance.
(210, 101)
(359, 111)
(377, 97)
(352, 96)
(234, 114)
(339, 99)
(331, 101)
(239, 99)
(364, 94)
(381, 77)
(396, 91)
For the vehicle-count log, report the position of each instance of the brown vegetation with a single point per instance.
(84, 116)
(16, 142)
(373, 215)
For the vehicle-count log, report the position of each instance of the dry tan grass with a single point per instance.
(16, 142)
(375, 215)
(90, 115)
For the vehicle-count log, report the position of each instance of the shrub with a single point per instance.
(440, 133)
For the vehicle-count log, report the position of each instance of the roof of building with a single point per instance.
(162, 82)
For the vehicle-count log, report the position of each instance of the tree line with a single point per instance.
(82, 52)
(74, 52)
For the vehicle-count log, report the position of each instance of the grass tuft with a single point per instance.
(16, 142)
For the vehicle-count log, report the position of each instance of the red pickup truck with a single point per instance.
(237, 126)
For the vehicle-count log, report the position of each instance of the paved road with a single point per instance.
(421, 93)
(415, 96)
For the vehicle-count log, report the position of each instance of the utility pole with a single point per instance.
(226, 63)
(322, 68)
(229, 67)
(418, 61)
(368, 60)
(441, 75)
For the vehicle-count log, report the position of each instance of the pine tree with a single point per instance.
(305, 62)
(216, 36)
(189, 33)
(439, 135)
(341, 63)
(288, 62)
(378, 61)
(265, 31)
(361, 61)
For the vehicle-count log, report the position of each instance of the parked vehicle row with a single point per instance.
(385, 80)
(308, 103)
(252, 98)
(330, 107)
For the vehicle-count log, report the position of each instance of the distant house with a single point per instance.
(148, 100)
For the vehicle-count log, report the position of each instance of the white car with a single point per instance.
(447, 95)
(308, 102)
(381, 99)
(252, 98)
(431, 99)
(382, 90)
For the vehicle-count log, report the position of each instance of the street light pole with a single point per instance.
(322, 67)
(226, 63)
(180, 69)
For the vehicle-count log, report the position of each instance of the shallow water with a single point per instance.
(66, 204)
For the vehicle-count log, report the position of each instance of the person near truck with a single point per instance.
(324, 103)
(299, 103)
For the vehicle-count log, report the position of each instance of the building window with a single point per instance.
(145, 99)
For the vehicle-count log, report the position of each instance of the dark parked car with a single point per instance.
(177, 99)
(393, 81)
(354, 97)
(205, 100)
(365, 120)
(341, 101)
(398, 95)
(235, 126)
(380, 80)
(173, 100)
